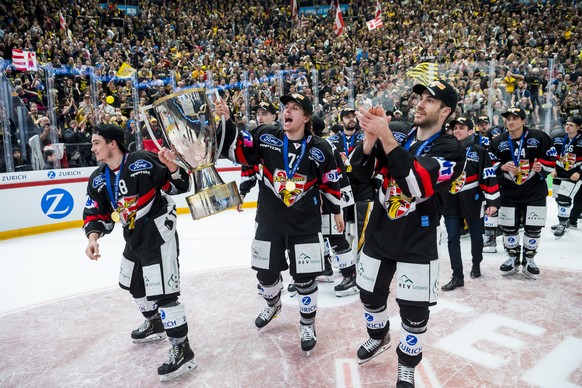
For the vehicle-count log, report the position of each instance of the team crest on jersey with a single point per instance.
(98, 181)
(458, 184)
(533, 143)
(396, 204)
(140, 165)
(473, 156)
(568, 160)
(317, 154)
(271, 140)
(247, 139)
(127, 208)
(523, 174)
(360, 137)
(280, 185)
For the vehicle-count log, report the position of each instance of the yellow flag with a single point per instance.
(125, 71)
(424, 72)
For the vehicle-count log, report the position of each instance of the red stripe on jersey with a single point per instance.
(548, 163)
(472, 178)
(240, 156)
(97, 217)
(141, 201)
(489, 189)
(424, 179)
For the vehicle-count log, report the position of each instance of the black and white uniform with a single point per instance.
(565, 190)
(149, 265)
(289, 220)
(401, 237)
(523, 195)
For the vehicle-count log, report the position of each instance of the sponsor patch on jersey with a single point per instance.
(446, 169)
(98, 181)
(579, 143)
(140, 165)
(247, 139)
(360, 137)
(333, 138)
(488, 172)
(533, 142)
(271, 140)
(317, 154)
(503, 146)
(552, 152)
(400, 137)
(90, 204)
(473, 156)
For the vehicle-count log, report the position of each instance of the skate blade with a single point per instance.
(512, 272)
(292, 294)
(489, 250)
(530, 276)
(190, 365)
(324, 279)
(151, 338)
(380, 351)
(348, 292)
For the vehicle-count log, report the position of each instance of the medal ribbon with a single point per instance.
(516, 159)
(352, 141)
(295, 166)
(425, 144)
(113, 195)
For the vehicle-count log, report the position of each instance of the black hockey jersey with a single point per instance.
(406, 211)
(143, 179)
(569, 155)
(363, 190)
(477, 184)
(526, 185)
(296, 210)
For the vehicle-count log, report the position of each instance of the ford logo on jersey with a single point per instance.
(140, 165)
(98, 181)
(51, 175)
(317, 154)
(271, 140)
(57, 203)
(533, 142)
(333, 137)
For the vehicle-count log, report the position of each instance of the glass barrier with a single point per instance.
(48, 122)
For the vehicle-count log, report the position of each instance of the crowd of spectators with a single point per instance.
(496, 54)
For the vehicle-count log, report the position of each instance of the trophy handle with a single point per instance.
(180, 161)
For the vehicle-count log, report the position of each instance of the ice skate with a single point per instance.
(560, 231)
(180, 361)
(292, 289)
(267, 315)
(327, 274)
(308, 338)
(149, 330)
(512, 264)
(373, 347)
(405, 377)
(490, 244)
(530, 269)
(347, 286)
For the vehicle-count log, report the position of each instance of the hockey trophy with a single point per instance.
(188, 126)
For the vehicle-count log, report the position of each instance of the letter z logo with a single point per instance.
(57, 203)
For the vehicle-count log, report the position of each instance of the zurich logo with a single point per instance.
(139, 165)
(162, 314)
(511, 240)
(368, 317)
(98, 181)
(411, 340)
(271, 140)
(317, 154)
(51, 174)
(532, 241)
(306, 300)
(57, 203)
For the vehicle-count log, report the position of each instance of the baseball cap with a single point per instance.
(576, 120)
(268, 106)
(441, 90)
(112, 132)
(345, 111)
(397, 112)
(483, 119)
(515, 111)
(300, 99)
(462, 120)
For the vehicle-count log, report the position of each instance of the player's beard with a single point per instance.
(426, 119)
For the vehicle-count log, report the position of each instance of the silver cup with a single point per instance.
(188, 126)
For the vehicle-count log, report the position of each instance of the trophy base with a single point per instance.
(213, 200)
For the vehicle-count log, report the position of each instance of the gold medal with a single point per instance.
(290, 185)
(115, 216)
